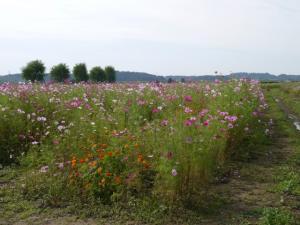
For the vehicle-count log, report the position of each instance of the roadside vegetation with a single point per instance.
(147, 154)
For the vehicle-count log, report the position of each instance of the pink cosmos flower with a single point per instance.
(231, 118)
(206, 123)
(230, 125)
(174, 172)
(193, 119)
(55, 142)
(60, 165)
(188, 98)
(188, 110)
(75, 103)
(188, 123)
(203, 112)
(207, 87)
(141, 102)
(164, 123)
(155, 110)
(88, 106)
(223, 113)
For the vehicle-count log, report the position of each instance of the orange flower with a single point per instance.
(93, 163)
(73, 162)
(140, 158)
(108, 174)
(104, 145)
(110, 154)
(117, 179)
(146, 164)
(99, 150)
(82, 161)
(136, 145)
(101, 156)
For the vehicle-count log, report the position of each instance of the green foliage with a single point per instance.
(80, 72)
(110, 74)
(97, 74)
(275, 216)
(288, 181)
(12, 142)
(120, 140)
(34, 71)
(60, 72)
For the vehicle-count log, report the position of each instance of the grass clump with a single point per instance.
(275, 216)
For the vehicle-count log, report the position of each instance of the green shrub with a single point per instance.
(275, 216)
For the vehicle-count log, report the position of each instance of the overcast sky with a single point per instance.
(163, 37)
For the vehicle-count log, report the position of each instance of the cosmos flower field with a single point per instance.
(111, 141)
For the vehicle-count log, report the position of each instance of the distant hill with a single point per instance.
(121, 77)
(197, 78)
(126, 76)
(266, 76)
(137, 76)
(255, 76)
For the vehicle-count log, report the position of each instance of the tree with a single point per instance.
(170, 80)
(34, 71)
(80, 72)
(97, 74)
(110, 74)
(60, 72)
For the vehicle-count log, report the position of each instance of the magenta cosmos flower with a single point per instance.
(206, 123)
(188, 98)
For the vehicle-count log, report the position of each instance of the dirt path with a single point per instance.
(292, 117)
(250, 188)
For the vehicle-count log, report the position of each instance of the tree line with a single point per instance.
(35, 71)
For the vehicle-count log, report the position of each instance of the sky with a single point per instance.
(162, 37)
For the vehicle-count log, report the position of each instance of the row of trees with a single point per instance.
(35, 71)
